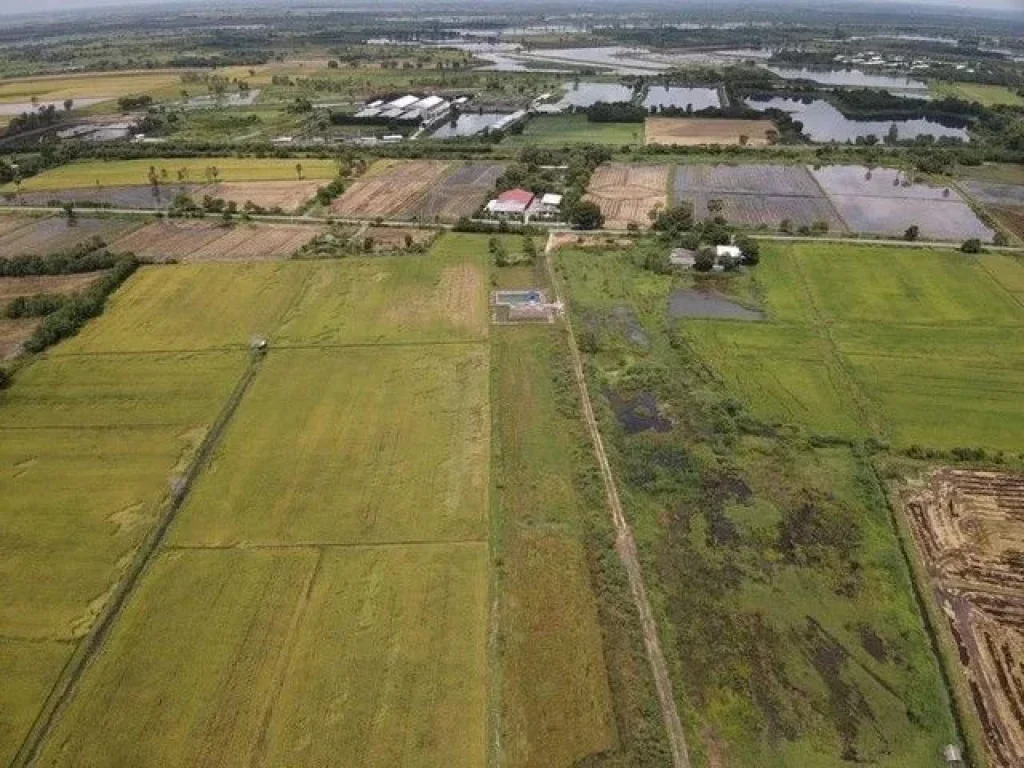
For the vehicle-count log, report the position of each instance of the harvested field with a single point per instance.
(937, 219)
(991, 193)
(286, 195)
(1011, 217)
(14, 333)
(13, 287)
(128, 196)
(693, 131)
(460, 194)
(969, 531)
(391, 189)
(192, 241)
(392, 238)
(52, 234)
(627, 193)
(768, 210)
(779, 180)
(9, 222)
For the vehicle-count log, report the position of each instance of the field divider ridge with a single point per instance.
(64, 688)
(625, 545)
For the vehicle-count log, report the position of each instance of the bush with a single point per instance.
(705, 260)
(750, 250)
(40, 305)
(586, 215)
(971, 246)
(912, 233)
(674, 220)
(5, 379)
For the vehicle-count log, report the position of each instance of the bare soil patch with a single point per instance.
(1012, 217)
(694, 131)
(627, 193)
(460, 194)
(13, 287)
(14, 333)
(52, 234)
(286, 195)
(191, 241)
(394, 238)
(969, 529)
(586, 240)
(391, 189)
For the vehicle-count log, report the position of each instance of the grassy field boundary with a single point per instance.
(964, 719)
(625, 545)
(64, 688)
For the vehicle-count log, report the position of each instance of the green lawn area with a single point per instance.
(915, 346)
(988, 95)
(576, 129)
(107, 173)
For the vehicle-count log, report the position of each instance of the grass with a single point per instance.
(193, 307)
(87, 86)
(108, 173)
(921, 347)
(576, 129)
(351, 446)
(784, 603)
(556, 699)
(988, 95)
(28, 669)
(439, 297)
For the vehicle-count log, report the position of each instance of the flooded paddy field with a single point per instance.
(662, 96)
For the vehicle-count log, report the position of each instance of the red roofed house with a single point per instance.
(513, 202)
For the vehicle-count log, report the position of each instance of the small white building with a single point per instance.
(547, 206)
(727, 251)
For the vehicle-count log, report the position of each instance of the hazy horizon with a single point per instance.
(45, 6)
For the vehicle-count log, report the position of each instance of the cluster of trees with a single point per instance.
(498, 251)
(88, 256)
(30, 121)
(129, 103)
(325, 194)
(616, 112)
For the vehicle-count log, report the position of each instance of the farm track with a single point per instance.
(64, 689)
(625, 545)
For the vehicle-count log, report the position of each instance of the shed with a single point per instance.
(732, 251)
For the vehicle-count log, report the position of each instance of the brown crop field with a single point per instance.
(969, 529)
(627, 193)
(693, 131)
(14, 333)
(13, 287)
(191, 241)
(1011, 217)
(391, 189)
(460, 194)
(286, 195)
(52, 234)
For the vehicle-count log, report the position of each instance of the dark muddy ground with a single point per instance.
(685, 302)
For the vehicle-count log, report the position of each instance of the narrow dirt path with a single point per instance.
(625, 545)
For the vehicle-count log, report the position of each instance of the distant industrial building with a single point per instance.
(409, 108)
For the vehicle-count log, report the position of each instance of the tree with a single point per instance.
(971, 246)
(704, 261)
(5, 379)
(68, 104)
(750, 250)
(744, 139)
(586, 215)
(674, 220)
(715, 206)
(298, 170)
(332, 64)
(912, 233)
(1000, 239)
(70, 214)
(785, 226)
(894, 134)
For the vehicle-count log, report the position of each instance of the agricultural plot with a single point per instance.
(403, 432)
(923, 347)
(558, 130)
(13, 287)
(286, 195)
(390, 189)
(441, 297)
(42, 236)
(182, 307)
(1011, 217)
(768, 211)
(966, 525)
(695, 131)
(145, 197)
(627, 193)
(460, 193)
(777, 180)
(14, 334)
(86, 86)
(993, 193)
(196, 241)
(884, 201)
(172, 171)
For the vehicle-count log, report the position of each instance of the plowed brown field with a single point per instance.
(391, 189)
(190, 241)
(627, 193)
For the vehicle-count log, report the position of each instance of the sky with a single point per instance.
(20, 6)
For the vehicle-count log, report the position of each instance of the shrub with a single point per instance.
(971, 246)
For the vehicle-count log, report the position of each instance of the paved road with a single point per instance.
(625, 545)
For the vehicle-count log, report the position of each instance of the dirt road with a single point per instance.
(625, 545)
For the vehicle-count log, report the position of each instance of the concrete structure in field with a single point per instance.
(530, 306)
(682, 257)
(408, 108)
(728, 251)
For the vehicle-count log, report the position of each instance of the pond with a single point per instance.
(686, 302)
(468, 124)
(849, 77)
(586, 94)
(824, 123)
(639, 413)
(674, 96)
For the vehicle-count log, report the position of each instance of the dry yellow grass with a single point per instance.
(627, 193)
(693, 131)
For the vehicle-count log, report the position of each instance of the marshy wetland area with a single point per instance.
(469, 387)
